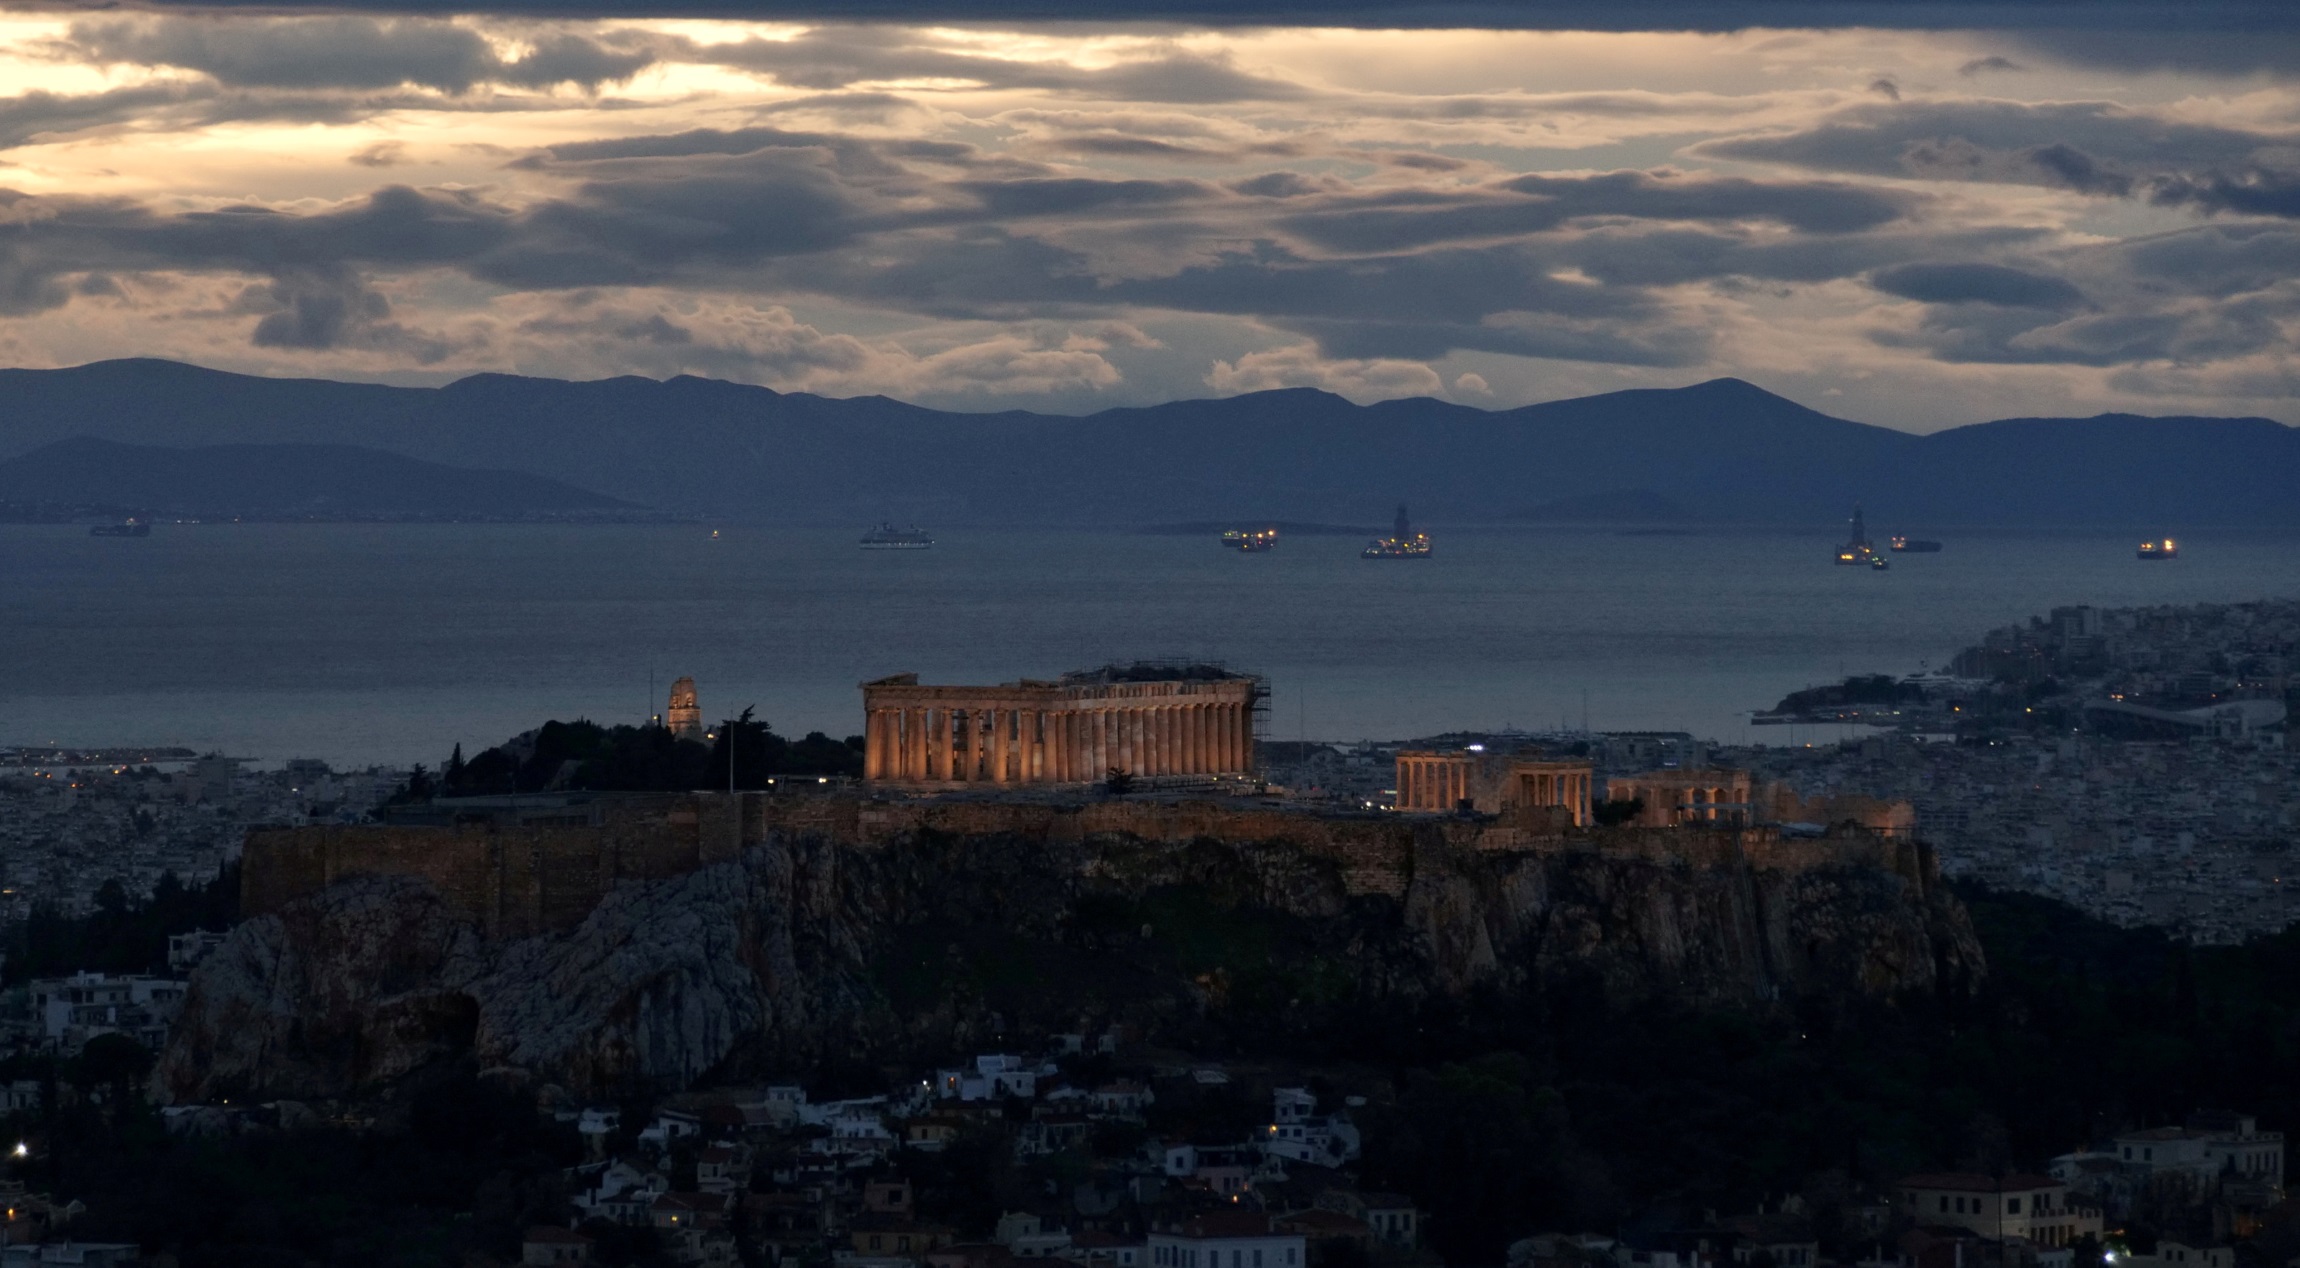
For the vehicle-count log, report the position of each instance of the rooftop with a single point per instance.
(1975, 1182)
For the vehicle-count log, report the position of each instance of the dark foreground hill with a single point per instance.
(1722, 450)
(275, 480)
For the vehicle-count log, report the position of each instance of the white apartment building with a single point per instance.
(1226, 1239)
(2031, 1207)
(2206, 1149)
(72, 1010)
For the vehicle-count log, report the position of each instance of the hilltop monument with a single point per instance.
(684, 716)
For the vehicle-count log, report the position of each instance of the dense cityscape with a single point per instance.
(2126, 763)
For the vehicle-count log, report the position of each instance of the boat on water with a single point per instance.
(887, 537)
(1402, 543)
(1915, 546)
(2161, 548)
(1250, 540)
(125, 528)
(1858, 549)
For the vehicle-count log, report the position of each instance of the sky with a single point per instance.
(1917, 228)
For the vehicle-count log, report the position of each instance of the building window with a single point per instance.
(2012, 1206)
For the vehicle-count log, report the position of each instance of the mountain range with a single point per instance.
(1723, 450)
(280, 481)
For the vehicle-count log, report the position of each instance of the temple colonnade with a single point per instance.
(1075, 730)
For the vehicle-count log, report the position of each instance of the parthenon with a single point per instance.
(1139, 720)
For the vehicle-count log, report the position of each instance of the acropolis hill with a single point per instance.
(517, 870)
(605, 942)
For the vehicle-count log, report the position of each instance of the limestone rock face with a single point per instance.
(799, 948)
(354, 986)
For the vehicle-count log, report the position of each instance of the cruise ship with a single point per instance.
(887, 537)
(1250, 540)
(1402, 543)
(2161, 548)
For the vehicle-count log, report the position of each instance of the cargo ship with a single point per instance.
(1250, 540)
(1402, 543)
(887, 537)
(2161, 548)
(1915, 546)
(125, 528)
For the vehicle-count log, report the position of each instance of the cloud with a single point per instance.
(348, 52)
(984, 214)
(315, 308)
(836, 57)
(1536, 203)
(767, 344)
(1976, 284)
(381, 154)
(40, 114)
(2090, 147)
(1301, 366)
(2255, 191)
(1983, 65)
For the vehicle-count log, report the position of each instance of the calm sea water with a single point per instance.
(361, 643)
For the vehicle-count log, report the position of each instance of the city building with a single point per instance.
(72, 1010)
(186, 950)
(2030, 1207)
(2206, 1149)
(1136, 720)
(1225, 1239)
(1491, 783)
(684, 714)
(1672, 797)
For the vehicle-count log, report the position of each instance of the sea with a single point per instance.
(368, 643)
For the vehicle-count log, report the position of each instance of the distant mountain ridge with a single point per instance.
(1723, 450)
(280, 480)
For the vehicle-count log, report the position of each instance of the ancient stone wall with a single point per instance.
(514, 881)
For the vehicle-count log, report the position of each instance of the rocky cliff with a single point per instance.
(802, 947)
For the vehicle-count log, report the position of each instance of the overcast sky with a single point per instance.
(1916, 228)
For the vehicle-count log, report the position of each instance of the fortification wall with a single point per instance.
(514, 881)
